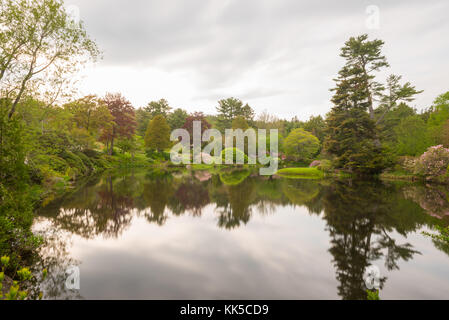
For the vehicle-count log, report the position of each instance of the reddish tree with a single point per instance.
(197, 116)
(124, 123)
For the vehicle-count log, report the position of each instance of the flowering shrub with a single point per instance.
(315, 163)
(433, 163)
(407, 164)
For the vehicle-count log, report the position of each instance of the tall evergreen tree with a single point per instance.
(364, 58)
(230, 108)
(351, 132)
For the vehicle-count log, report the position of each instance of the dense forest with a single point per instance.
(50, 137)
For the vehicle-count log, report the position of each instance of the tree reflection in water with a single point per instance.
(360, 216)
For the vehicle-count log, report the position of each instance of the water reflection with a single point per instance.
(362, 219)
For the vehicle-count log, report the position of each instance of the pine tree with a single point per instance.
(230, 108)
(351, 132)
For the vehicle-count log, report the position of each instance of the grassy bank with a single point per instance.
(400, 175)
(302, 173)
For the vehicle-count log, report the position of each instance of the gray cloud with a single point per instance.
(292, 45)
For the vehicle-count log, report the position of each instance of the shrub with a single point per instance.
(315, 163)
(93, 154)
(55, 163)
(88, 163)
(325, 166)
(234, 152)
(16, 217)
(74, 161)
(433, 163)
(157, 155)
(301, 145)
(407, 163)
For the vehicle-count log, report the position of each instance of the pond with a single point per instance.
(236, 235)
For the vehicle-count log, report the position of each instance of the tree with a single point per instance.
(240, 123)
(41, 46)
(439, 115)
(317, 126)
(158, 134)
(267, 121)
(91, 115)
(153, 108)
(230, 108)
(123, 124)
(156, 108)
(177, 118)
(412, 139)
(142, 119)
(444, 136)
(363, 58)
(395, 93)
(392, 119)
(351, 135)
(301, 145)
(130, 145)
(197, 116)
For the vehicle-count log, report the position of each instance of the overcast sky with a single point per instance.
(276, 55)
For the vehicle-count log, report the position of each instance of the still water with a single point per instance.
(235, 235)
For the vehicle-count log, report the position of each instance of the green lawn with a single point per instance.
(303, 173)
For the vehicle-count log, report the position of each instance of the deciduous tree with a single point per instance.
(40, 47)
(301, 145)
(158, 134)
(196, 116)
(124, 123)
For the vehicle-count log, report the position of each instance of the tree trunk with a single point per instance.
(111, 150)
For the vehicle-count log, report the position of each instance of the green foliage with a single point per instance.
(16, 218)
(438, 117)
(234, 177)
(395, 93)
(325, 165)
(131, 145)
(441, 236)
(392, 117)
(301, 145)
(317, 126)
(142, 119)
(158, 134)
(230, 108)
(41, 46)
(75, 162)
(177, 118)
(90, 117)
(411, 136)
(372, 295)
(157, 155)
(240, 123)
(233, 153)
(12, 150)
(158, 108)
(352, 136)
(24, 277)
